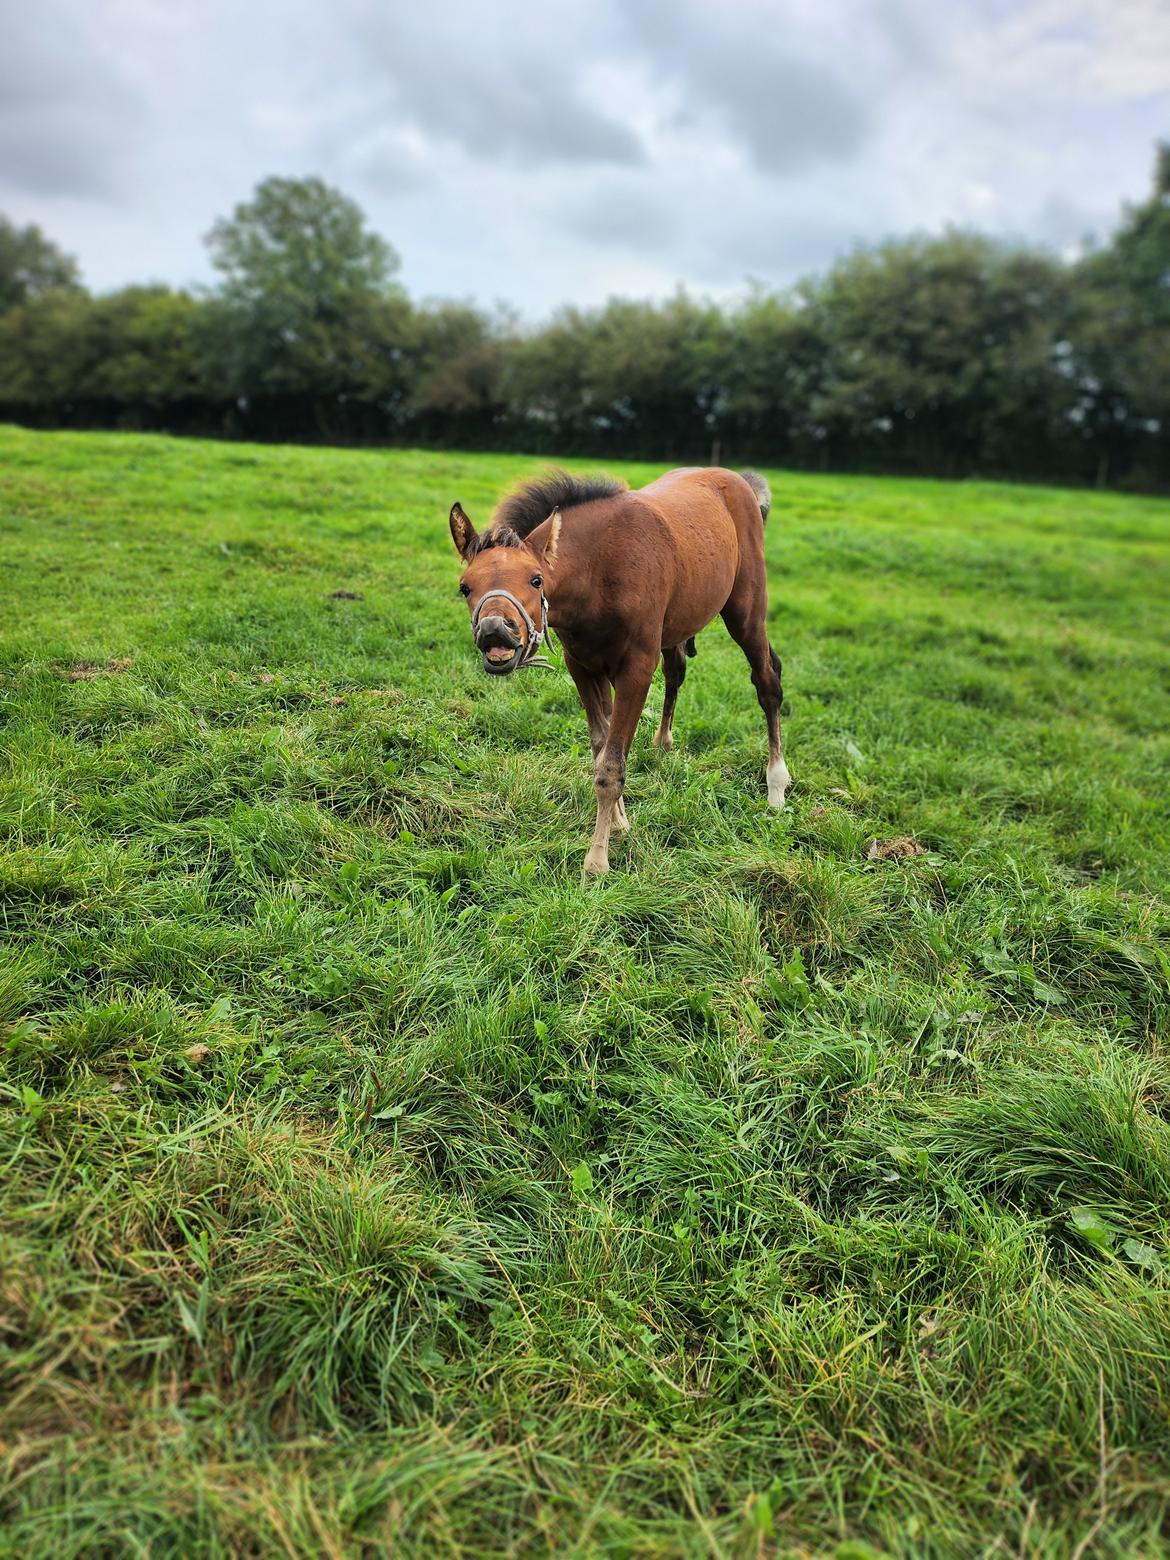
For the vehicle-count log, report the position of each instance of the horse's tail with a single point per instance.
(760, 488)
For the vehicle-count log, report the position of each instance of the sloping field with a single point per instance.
(371, 1186)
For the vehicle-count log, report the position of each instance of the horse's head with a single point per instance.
(504, 583)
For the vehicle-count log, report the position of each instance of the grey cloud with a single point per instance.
(67, 120)
(757, 234)
(579, 149)
(387, 168)
(496, 96)
(40, 166)
(788, 109)
(624, 214)
(910, 34)
(772, 246)
(792, 114)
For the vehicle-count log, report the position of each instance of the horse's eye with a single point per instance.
(536, 581)
(465, 590)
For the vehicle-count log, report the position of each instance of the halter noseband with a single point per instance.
(536, 636)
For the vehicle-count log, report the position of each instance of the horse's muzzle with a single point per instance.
(500, 646)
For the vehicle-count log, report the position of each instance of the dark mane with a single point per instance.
(520, 512)
(494, 536)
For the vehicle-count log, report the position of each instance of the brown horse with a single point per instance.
(624, 577)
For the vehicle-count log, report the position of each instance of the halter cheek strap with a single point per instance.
(536, 636)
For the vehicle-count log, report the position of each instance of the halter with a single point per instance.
(536, 636)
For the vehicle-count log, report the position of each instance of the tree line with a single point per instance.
(947, 356)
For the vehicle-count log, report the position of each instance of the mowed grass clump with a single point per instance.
(372, 1186)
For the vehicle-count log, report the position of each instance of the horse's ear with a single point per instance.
(554, 536)
(463, 533)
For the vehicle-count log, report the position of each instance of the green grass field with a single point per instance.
(370, 1185)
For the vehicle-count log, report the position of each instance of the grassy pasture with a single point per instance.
(371, 1186)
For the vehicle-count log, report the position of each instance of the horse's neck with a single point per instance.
(568, 599)
(559, 595)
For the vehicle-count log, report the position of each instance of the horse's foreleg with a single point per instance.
(597, 698)
(594, 692)
(609, 777)
(674, 669)
(748, 629)
(598, 732)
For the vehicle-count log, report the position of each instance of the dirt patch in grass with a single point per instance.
(86, 671)
(898, 849)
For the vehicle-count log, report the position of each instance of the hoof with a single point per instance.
(662, 739)
(621, 821)
(594, 867)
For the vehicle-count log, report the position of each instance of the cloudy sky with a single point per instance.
(544, 153)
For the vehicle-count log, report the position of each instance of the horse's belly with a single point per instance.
(708, 564)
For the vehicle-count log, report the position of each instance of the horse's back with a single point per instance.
(713, 519)
(703, 491)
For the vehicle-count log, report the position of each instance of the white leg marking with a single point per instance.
(597, 861)
(778, 782)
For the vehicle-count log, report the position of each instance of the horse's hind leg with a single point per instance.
(744, 616)
(674, 669)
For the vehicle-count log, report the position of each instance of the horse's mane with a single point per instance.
(521, 511)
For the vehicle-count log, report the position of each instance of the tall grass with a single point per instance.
(370, 1185)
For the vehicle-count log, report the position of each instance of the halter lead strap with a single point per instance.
(536, 636)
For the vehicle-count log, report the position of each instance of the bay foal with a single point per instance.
(624, 577)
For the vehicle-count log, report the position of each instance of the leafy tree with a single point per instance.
(545, 385)
(941, 355)
(1137, 261)
(632, 377)
(775, 363)
(301, 276)
(30, 264)
(43, 350)
(127, 355)
(653, 375)
(459, 358)
(141, 349)
(1119, 357)
(301, 239)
